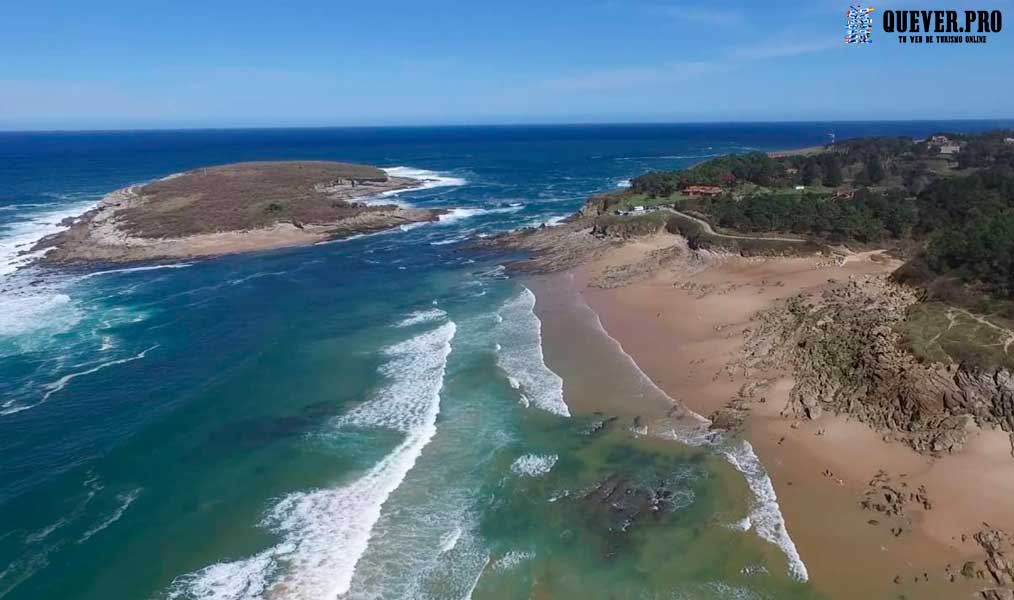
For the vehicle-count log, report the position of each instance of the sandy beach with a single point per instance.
(684, 321)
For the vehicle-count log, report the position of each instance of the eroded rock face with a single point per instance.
(848, 359)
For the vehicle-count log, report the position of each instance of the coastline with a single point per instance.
(104, 233)
(682, 323)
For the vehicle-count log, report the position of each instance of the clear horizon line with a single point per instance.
(500, 124)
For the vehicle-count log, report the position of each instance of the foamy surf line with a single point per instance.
(11, 407)
(325, 532)
(137, 269)
(19, 237)
(765, 514)
(427, 180)
(519, 354)
(421, 316)
(458, 214)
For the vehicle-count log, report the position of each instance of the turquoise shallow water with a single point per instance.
(363, 419)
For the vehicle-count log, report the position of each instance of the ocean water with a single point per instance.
(367, 418)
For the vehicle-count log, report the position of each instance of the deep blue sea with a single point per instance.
(368, 418)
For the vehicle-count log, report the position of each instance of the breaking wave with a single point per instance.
(765, 514)
(422, 316)
(534, 465)
(325, 532)
(519, 334)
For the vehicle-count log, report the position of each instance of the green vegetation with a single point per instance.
(868, 217)
(957, 208)
(634, 226)
(937, 332)
(629, 201)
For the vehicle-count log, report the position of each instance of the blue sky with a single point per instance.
(222, 63)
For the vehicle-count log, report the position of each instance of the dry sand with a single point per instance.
(682, 335)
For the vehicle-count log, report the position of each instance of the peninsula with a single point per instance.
(233, 208)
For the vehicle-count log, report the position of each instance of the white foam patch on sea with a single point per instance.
(19, 236)
(511, 560)
(534, 465)
(31, 305)
(449, 540)
(519, 333)
(422, 316)
(427, 180)
(458, 214)
(137, 269)
(325, 532)
(12, 406)
(124, 501)
(31, 310)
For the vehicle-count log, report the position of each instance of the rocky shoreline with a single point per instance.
(243, 207)
(846, 354)
(805, 356)
(847, 358)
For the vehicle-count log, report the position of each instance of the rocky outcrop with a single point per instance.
(630, 226)
(891, 497)
(599, 205)
(995, 568)
(848, 359)
(550, 249)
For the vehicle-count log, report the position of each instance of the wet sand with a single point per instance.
(682, 336)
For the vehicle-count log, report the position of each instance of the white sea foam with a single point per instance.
(125, 500)
(693, 430)
(241, 580)
(743, 524)
(325, 532)
(765, 514)
(511, 560)
(478, 576)
(534, 465)
(429, 179)
(138, 269)
(18, 238)
(411, 226)
(542, 221)
(38, 536)
(454, 240)
(13, 406)
(457, 214)
(519, 333)
(449, 540)
(422, 316)
(28, 310)
(623, 183)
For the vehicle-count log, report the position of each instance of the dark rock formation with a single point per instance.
(848, 359)
(997, 545)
